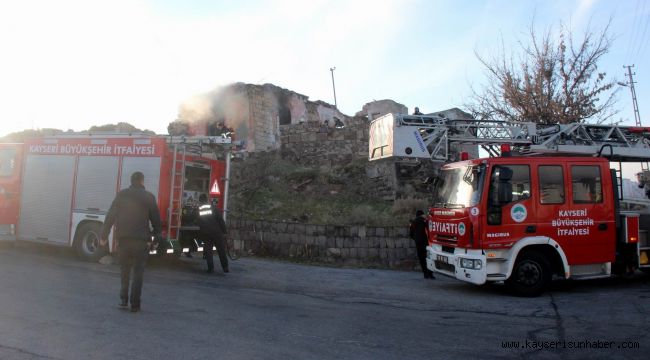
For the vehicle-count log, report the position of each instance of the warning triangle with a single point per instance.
(215, 188)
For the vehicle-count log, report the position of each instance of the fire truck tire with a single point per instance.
(530, 276)
(87, 242)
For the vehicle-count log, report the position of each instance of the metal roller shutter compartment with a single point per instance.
(96, 183)
(46, 197)
(149, 166)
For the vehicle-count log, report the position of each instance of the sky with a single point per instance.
(71, 64)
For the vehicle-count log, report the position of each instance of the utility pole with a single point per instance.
(635, 105)
(333, 87)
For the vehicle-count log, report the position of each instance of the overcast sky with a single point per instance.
(73, 64)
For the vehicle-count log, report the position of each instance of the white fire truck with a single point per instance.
(548, 202)
(57, 190)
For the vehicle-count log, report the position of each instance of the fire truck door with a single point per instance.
(588, 226)
(510, 213)
(10, 166)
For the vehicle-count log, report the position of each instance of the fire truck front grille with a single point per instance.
(444, 266)
(446, 239)
(448, 249)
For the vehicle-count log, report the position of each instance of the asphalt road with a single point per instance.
(53, 306)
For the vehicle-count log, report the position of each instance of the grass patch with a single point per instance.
(267, 187)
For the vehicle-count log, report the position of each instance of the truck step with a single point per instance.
(590, 276)
(590, 270)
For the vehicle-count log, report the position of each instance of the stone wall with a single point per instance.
(378, 108)
(384, 247)
(319, 144)
(264, 120)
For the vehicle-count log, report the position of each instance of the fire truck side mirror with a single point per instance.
(505, 174)
(505, 193)
(503, 186)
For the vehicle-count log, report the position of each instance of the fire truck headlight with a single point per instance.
(471, 264)
(478, 264)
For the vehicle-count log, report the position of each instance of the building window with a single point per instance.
(551, 184)
(586, 184)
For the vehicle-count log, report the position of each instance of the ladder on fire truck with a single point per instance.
(625, 143)
(176, 192)
(435, 134)
(181, 147)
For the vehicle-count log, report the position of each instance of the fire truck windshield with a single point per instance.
(459, 187)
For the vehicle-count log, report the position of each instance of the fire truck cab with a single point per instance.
(523, 220)
(57, 190)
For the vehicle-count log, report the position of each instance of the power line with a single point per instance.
(642, 43)
(632, 42)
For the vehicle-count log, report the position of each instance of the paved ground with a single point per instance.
(53, 306)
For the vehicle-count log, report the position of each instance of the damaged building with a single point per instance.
(254, 112)
(312, 133)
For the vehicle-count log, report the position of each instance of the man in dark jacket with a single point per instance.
(212, 231)
(131, 212)
(418, 232)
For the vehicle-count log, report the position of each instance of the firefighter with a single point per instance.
(131, 211)
(418, 232)
(417, 111)
(212, 232)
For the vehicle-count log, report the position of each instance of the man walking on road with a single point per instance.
(131, 211)
(418, 232)
(213, 229)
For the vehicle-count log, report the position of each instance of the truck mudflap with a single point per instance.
(465, 265)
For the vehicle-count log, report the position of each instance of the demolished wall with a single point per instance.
(378, 108)
(254, 112)
(317, 144)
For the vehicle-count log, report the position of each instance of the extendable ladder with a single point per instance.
(174, 213)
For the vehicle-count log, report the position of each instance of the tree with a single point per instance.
(552, 80)
(120, 127)
(178, 127)
(21, 136)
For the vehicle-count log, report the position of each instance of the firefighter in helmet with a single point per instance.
(212, 232)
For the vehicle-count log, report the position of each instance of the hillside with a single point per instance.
(266, 186)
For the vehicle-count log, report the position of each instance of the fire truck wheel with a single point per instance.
(530, 276)
(87, 242)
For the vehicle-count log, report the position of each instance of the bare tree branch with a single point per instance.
(552, 80)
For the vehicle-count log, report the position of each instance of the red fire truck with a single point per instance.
(533, 212)
(57, 190)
